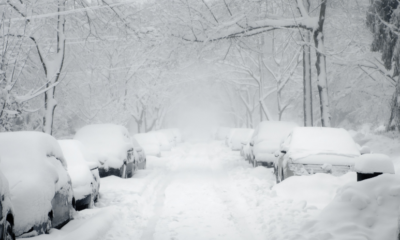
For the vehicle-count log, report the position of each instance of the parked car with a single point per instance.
(222, 133)
(240, 137)
(169, 135)
(6, 211)
(139, 154)
(41, 189)
(309, 150)
(149, 142)
(84, 175)
(266, 141)
(112, 146)
(165, 142)
(245, 152)
(178, 134)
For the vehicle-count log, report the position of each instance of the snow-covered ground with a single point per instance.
(201, 191)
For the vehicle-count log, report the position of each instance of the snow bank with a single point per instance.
(361, 210)
(109, 142)
(371, 163)
(317, 190)
(89, 224)
(78, 169)
(35, 167)
(306, 141)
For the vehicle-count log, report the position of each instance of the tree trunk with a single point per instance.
(307, 91)
(321, 68)
(53, 71)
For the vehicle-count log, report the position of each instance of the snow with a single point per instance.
(222, 133)
(149, 142)
(35, 167)
(108, 142)
(6, 201)
(317, 140)
(164, 140)
(268, 137)
(371, 163)
(316, 190)
(360, 210)
(206, 191)
(78, 169)
(169, 134)
(178, 134)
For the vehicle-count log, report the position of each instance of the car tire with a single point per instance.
(123, 174)
(254, 162)
(8, 231)
(276, 174)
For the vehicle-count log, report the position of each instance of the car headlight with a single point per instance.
(298, 169)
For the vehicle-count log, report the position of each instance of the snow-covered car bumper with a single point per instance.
(299, 169)
(265, 158)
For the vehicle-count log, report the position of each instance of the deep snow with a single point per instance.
(200, 191)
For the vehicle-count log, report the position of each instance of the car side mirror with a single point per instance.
(283, 151)
(365, 150)
(251, 144)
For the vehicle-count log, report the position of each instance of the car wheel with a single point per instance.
(276, 174)
(254, 162)
(8, 232)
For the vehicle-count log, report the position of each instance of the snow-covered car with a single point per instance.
(140, 155)
(149, 142)
(245, 152)
(169, 135)
(6, 211)
(165, 142)
(40, 187)
(309, 150)
(266, 140)
(178, 134)
(112, 147)
(240, 137)
(222, 133)
(84, 174)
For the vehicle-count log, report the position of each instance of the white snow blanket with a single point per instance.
(306, 141)
(108, 142)
(35, 167)
(371, 163)
(362, 210)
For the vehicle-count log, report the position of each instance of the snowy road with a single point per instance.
(199, 191)
(196, 191)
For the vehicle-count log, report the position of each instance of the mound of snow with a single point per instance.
(361, 210)
(108, 142)
(149, 142)
(371, 163)
(317, 190)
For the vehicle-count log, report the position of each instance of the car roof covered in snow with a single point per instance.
(306, 141)
(35, 167)
(109, 142)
